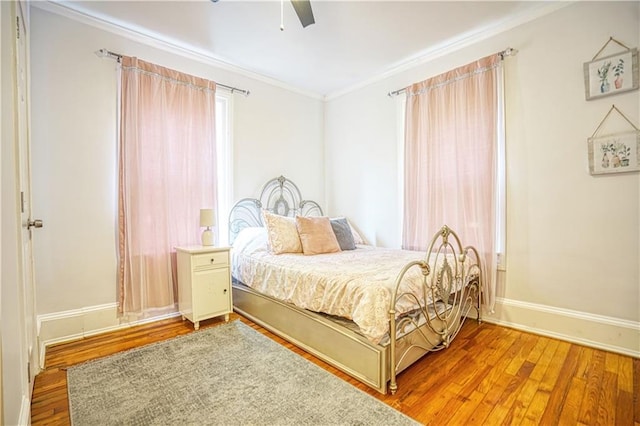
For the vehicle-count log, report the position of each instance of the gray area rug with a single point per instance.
(224, 375)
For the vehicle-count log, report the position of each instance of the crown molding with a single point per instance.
(454, 44)
(157, 41)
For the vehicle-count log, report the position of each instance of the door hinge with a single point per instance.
(29, 371)
(21, 201)
(18, 27)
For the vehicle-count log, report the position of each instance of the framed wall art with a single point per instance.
(616, 153)
(611, 74)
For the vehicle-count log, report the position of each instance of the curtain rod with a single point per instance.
(104, 53)
(506, 52)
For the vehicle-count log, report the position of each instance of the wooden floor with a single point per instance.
(489, 376)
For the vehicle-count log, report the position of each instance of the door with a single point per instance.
(24, 165)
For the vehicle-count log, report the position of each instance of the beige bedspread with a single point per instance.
(355, 284)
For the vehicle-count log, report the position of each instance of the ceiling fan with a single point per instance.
(304, 12)
(302, 8)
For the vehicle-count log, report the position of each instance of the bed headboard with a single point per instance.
(280, 196)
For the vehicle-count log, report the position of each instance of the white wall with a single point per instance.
(572, 238)
(276, 131)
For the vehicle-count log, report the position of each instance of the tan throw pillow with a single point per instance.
(282, 233)
(316, 235)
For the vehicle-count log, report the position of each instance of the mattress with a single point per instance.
(356, 285)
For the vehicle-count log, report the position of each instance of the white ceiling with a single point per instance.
(350, 43)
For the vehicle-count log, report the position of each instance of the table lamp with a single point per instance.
(207, 221)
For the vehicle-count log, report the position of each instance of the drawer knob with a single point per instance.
(212, 260)
(225, 291)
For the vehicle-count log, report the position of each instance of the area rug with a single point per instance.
(224, 375)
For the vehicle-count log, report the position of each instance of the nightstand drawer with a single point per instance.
(210, 260)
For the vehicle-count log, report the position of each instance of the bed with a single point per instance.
(370, 312)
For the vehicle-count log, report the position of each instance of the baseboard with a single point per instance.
(596, 331)
(75, 324)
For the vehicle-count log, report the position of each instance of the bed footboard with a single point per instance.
(452, 291)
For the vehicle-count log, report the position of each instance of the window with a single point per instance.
(167, 172)
(501, 184)
(454, 163)
(224, 166)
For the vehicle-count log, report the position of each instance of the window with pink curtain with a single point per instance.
(451, 140)
(167, 161)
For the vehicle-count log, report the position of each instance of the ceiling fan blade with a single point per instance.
(304, 12)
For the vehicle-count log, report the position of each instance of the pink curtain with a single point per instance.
(166, 175)
(451, 133)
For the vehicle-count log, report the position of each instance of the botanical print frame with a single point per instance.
(615, 153)
(611, 75)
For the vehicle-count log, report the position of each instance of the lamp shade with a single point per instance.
(206, 218)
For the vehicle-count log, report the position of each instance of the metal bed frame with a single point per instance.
(454, 290)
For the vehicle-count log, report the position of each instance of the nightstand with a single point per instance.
(204, 283)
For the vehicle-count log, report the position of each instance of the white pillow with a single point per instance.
(356, 236)
(251, 240)
(282, 233)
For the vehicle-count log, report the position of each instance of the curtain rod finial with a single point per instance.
(102, 53)
(509, 51)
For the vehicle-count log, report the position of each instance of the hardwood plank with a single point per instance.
(536, 408)
(595, 372)
(552, 373)
(489, 375)
(466, 371)
(586, 354)
(636, 390)
(503, 406)
(430, 415)
(559, 384)
(545, 360)
(495, 381)
(526, 369)
(429, 412)
(518, 410)
(624, 416)
(571, 408)
(538, 350)
(480, 334)
(521, 356)
(488, 403)
(474, 383)
(463, 414)
(611, 361)
(494, 342)
(607, 403)
(453, 404)
(497, 372)
(625, 374)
